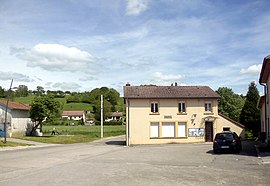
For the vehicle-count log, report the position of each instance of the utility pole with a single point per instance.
(101, 116)
(5, 124)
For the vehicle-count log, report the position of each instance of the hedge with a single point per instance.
(109, 123)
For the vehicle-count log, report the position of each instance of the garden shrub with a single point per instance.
(109, 123)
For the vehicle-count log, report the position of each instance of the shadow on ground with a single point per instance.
(120, 143)
(248, 149)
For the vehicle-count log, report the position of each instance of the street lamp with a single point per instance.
(5, 124)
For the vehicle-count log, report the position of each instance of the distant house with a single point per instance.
(73, 115)
(89, 121)
(114, 116)
(174, 114)
(263, 103)
(18, 120)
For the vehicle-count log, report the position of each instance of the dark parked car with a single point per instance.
(227, 141)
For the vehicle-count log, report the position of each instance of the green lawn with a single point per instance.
(75, 134)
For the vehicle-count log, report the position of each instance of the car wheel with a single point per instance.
(215, 151)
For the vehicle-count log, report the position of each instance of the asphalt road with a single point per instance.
(110, 163)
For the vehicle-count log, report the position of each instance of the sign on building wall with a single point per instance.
(194, 132)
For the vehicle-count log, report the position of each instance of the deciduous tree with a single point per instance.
(106, 109)
(22, 91)
(43, 108)
(40, 91)
(2, 92)
(230, 104)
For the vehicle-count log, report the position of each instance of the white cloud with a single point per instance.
(7, 76)
(67, 86)
(169, 77)
(88, 78)
(56, 57)
(253, 69)
(135, 7)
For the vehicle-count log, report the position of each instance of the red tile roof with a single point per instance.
(265, 70)
(15, 105)
(154, 92)
(72, 113)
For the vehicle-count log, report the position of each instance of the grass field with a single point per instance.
(75, 134)
(26, 100)
(66, 106)
(78, 106)
(11, 144)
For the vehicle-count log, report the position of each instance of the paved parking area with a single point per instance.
(110, 163)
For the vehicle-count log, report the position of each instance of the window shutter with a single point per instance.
(184, 107)
(152, 107)
(156, 107)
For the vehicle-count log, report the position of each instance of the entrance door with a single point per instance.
(208, 131)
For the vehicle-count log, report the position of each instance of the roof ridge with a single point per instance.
(233, 121)
(169, 92)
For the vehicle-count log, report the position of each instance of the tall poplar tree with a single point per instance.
(250, 114)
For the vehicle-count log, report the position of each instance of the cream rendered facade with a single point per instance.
(192, 126)
(264, 105)
(261, 106)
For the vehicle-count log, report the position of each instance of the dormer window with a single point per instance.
(154, 107)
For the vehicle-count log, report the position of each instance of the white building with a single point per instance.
(73, 115)
(18, 120)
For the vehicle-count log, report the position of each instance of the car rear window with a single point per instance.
(224, 136)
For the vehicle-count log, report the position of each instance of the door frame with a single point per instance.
(209, 130)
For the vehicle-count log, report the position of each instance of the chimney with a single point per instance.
(128, 84)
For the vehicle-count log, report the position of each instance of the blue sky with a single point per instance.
(80, 45)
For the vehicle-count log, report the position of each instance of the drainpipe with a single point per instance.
(128, 123)
(265, 110)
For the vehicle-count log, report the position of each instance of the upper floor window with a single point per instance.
(182, 107)
(208, 106)
(154, 107)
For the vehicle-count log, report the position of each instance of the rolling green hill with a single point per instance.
(66, 106)
(78, 106)
(26, 100)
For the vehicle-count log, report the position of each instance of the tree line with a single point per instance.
(23, 91)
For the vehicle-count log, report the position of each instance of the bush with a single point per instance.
(249, 134)
(109, 123)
